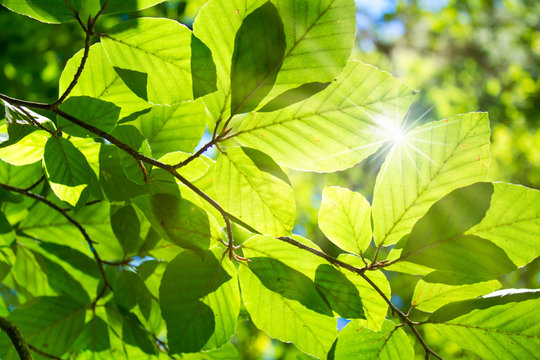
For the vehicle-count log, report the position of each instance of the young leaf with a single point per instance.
(281, 298)
(336, 128)
(503, 325)
(512, 222)
(254, 194)
(427, 164)
(68, 171)
(345, 218)
(51, 323)
(358, 342)
(259, 48)
(98, 113)
(98, 80)
(200, 301)
(173, 128)
(153, 58)
(437, 239)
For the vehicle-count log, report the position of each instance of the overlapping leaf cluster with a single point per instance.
(116, 238)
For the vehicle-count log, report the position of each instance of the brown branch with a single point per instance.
(81, 229)
(16, 338)
(44, 354)
(30, 104)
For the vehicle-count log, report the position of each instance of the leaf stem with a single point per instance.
(16, 338)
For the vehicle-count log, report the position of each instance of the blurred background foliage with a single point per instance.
(473, 55)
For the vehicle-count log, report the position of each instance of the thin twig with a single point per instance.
(30, 104)
(36, 183)
(53, 206)
(80, 68)
(16, 338)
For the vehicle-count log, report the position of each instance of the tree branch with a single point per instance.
(16, 338)
(44, 354)
(227, 217)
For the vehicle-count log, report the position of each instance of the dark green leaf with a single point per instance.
(200, 301)
(259, 49)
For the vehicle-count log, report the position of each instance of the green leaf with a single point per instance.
(293, 96)
(20, 176)
(129, 329)
(21, 121)
(512, 222)
(259, 49)
(339, 292)
(98, 113)
(319, 36)
(375, 308)
(336, 128)
(177, 220)
(437, 239)
(281, 298)
(503, 325)
(68, 171)
(48, 11)
(431, 296)
(30, 280)
(127, 228)
(431, 161)
(200, 301)
(153, 58)
(94, 336)
(256, 196)
(114, 182)
(130, 293)
(98, 80)
(345, 218)
(51, 226)
(133, 169)
(26, 151)
(60, 320)
(358, 342)
(227, 352)
(124, 6)
(173, 128)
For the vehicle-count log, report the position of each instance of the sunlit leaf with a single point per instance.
(98, 80)
(359, 342)
(318, 39)
(153, 58)
(336, 128)
(257, 196)
(512, 222)
(427, 164)
(504, 325)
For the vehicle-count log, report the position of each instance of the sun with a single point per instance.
(390, 129)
